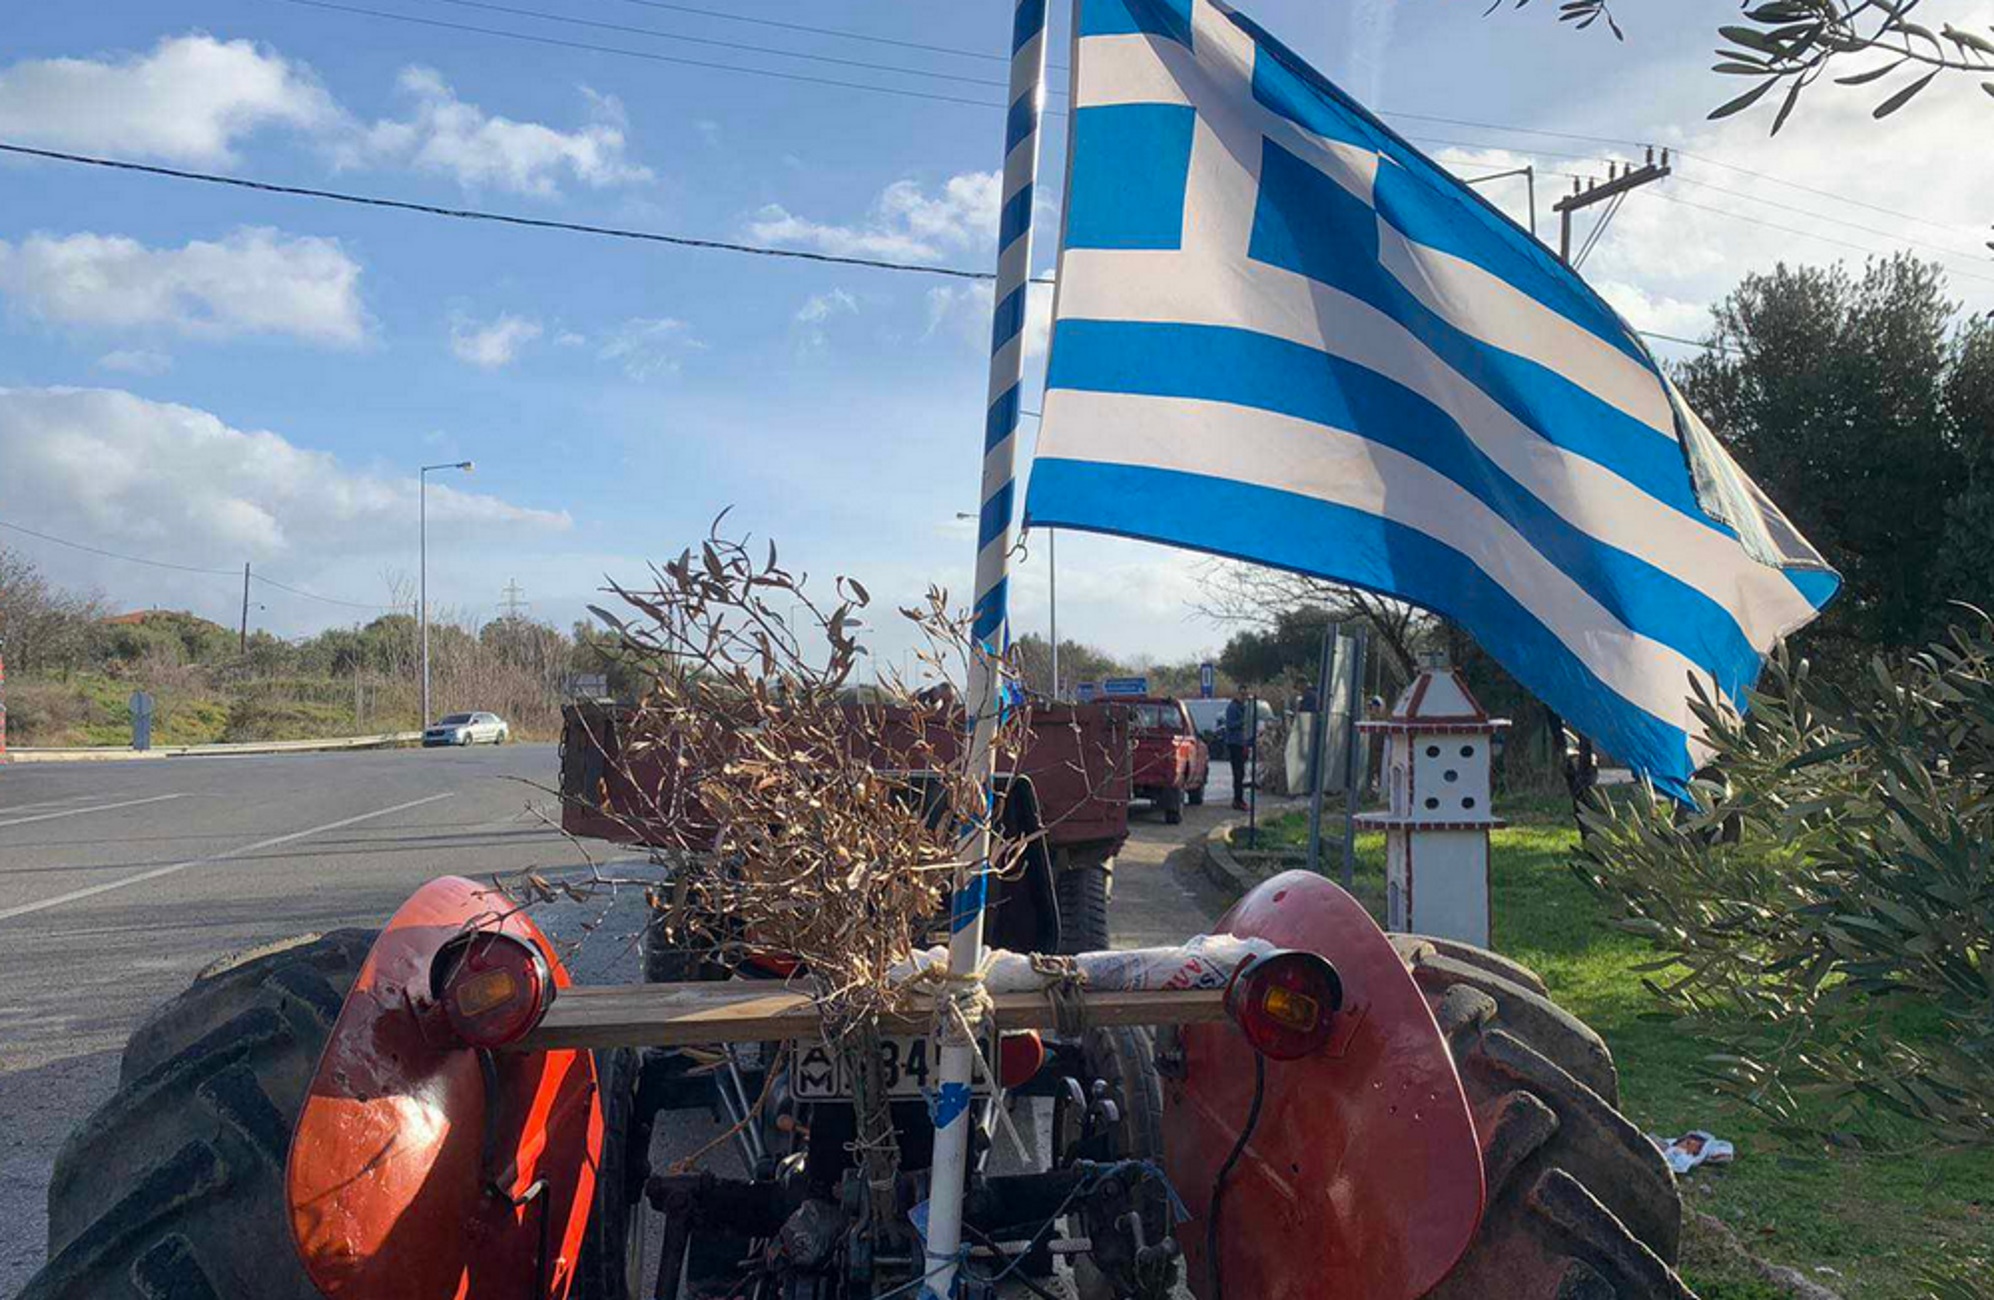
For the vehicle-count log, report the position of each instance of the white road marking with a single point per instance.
(94, 808)
(170, 868)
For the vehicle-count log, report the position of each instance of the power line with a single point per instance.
(329, 600)
(531, 223)
(1791, 230)
(475, 214)
(649, 55)
(1822, 216)
(570, 19)
(907, 93)
(185, 568)
(827, 31)
(96, 550)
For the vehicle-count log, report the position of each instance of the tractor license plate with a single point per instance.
(911, 1067)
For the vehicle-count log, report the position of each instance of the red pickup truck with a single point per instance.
(1171, 762)
(1072, 783)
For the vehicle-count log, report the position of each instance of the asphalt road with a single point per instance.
(119, 881)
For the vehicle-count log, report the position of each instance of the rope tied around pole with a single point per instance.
(1066, 989)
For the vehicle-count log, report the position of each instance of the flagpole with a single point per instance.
(993, 560)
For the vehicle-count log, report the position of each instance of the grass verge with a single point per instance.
(1861, 1222)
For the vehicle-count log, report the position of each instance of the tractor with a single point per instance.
(439, 1109)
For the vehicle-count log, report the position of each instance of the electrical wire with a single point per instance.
(648, 55)
(1599, 228)
(1789, 230)
(571, 20)
(539, 223)
(1822, 216)
(824, 31)
(905, 92)
(189, 568)
(502, 218)
(1214, 1270)
(97, 550)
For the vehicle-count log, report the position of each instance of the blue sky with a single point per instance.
(206, 376)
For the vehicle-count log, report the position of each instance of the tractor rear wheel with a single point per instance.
(1580, 1206)
(175, 1186)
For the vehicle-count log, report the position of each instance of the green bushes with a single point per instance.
(1828, 906)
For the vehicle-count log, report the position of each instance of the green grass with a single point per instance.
(1876, 1219)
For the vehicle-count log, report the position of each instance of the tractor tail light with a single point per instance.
(1020, 1057)
(494, 988)
(1285, 1002)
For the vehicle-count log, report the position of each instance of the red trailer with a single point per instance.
(1070, 788)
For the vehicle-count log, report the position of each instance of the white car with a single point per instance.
(467, 729)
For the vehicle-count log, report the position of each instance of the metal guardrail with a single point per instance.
(107, 753)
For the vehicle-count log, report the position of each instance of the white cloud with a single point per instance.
(649, 347)
(254, 281)
(190, 99)
(136, 361)
(494, 344)
(813, 317)
(446, 135)
(906, 223)
(134, 474)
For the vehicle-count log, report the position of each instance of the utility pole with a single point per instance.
(514, 606)
(1529, 175)
(1617, 183)
(245, 607)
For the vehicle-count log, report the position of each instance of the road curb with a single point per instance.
(1221, 866)
(112, 754)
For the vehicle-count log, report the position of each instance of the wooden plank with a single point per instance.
(739, 1011)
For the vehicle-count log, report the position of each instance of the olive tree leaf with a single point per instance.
(1744, 101)
(1903, 97)
(1864, 78)
(1786, 109)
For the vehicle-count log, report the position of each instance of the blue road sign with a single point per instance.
(1124, 686)
(1208, 680)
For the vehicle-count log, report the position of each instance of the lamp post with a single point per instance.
(1052, 596)
(423, 567)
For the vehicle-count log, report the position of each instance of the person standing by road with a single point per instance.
(1239, 730)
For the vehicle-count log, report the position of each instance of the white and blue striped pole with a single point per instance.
(989, 614)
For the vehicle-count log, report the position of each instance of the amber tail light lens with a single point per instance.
(493, 988)
(1285, 1003)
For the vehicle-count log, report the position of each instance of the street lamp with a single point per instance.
(423, 494)
(1052, 592)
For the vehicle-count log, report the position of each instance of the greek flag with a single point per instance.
(1282, 334)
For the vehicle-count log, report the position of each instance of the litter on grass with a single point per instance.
(1694, 1148)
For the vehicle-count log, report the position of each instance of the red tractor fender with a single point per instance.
(1364, 1175)
(421, 1169)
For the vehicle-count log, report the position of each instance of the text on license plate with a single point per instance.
(909, 1065)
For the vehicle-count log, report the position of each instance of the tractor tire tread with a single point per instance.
(174, 1188)
(311, 973)
(1552, 1030)
(1579, 1205)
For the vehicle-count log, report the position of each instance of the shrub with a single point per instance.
(1827, 906)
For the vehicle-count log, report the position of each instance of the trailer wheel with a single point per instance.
(1084, 885)
(175, 1186)
(1581, 1206)
(1195, 796)
(1172, 804)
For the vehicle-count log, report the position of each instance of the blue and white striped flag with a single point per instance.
(1284, 335)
